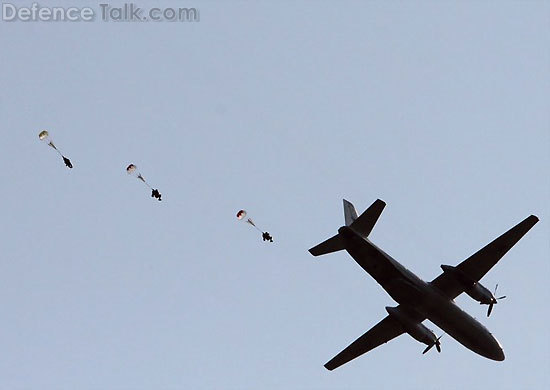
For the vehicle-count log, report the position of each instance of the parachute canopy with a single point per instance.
(131, 169)
(43, 135)
(241, 214)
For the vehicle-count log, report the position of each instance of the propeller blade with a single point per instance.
(428, 348)
(496, 299)
(490, 309)
(436, 343)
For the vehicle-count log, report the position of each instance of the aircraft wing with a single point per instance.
(478, 264)
(381, 333)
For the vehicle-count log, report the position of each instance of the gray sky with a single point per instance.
(282, 109)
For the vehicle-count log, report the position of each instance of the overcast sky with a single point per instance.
(283, 109)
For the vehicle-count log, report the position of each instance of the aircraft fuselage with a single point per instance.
(420, 297)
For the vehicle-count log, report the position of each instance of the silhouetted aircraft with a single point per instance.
(419, 300)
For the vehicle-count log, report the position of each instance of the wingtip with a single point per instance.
(534, 218)
(381, 201)
(530, 221)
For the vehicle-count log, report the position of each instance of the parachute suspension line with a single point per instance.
(53, 146)
(253, 224)
(143, 180)
(57, 150)
(241, 215)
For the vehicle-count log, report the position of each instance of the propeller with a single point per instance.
(436, 343)
(494, 301)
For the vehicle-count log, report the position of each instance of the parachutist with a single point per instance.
(132, 170)
(67, 162)
(156, 194)
(241, 216)
(45, 137)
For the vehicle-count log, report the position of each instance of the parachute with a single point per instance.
(241, 214)
(45, 136)
(131, 168)
(133, 171)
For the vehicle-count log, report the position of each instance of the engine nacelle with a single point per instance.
(481, 294)
(415, 329)
(472, 287)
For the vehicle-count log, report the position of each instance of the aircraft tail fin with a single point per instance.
(333, 244)
(350, 214)
(366, 221)
(362, 225)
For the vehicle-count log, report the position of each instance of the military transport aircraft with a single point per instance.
(419, 300)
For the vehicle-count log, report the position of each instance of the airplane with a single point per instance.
(419, 300)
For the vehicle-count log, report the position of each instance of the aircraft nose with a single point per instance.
(496, 352)
(499, 355)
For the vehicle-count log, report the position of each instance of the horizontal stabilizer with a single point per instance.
(333, 244)
(366, 221)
